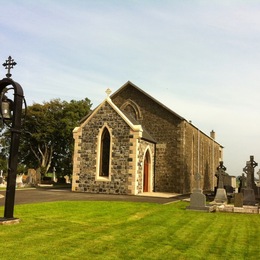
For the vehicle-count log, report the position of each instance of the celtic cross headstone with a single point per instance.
(249, 194)
(220, 174)
(242, 182)
(221, 195)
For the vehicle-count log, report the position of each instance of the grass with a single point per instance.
(124, 230)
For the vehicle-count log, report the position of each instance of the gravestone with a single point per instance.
(197, 198)
(248, 192)
(229, 184)
(221, 195)
(238, 200)
(258, 173)
(257, 193)
(242, 183)
(19, 180)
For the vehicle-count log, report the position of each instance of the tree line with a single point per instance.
(46, 140)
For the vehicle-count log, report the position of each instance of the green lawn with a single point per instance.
(123, 230)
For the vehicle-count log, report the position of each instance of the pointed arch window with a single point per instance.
(104, 153)
(132, 109)
(146, 173)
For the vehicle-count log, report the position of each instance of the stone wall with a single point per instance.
(176, 144)
(77, 132)
(86, 176)
(201, 154)
(165, 129)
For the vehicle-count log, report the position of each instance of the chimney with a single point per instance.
(212, 134)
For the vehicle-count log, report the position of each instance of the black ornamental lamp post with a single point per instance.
(11, 115)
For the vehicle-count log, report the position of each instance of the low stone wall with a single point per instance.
(232, 209)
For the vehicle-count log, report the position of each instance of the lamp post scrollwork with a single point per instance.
(11, 115)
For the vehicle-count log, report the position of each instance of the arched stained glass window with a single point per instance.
(104, 153)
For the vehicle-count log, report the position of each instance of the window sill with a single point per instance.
(103, 178)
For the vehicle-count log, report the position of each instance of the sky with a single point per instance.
(199, 58)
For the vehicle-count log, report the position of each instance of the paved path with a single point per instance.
(26, 196)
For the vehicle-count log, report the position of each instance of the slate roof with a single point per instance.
(158, 102)
(146, 94)
(146, 135)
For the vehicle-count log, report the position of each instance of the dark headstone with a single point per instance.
(238, 200)
(249, 193)
(249, 197)
(229, 189)
(242, 183)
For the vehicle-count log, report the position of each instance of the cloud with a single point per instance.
(200, 58)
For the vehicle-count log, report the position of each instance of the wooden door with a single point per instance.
(146, 173)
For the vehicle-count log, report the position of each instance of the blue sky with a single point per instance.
(199, 58)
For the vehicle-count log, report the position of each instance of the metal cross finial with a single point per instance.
(9, 64)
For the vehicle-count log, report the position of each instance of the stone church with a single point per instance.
(131, 144)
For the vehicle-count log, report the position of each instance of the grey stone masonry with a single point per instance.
(181, 149)
(121, 149)
(151, 148)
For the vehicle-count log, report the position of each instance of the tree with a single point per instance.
(47, 139)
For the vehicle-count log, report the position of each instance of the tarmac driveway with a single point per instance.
(26, 196)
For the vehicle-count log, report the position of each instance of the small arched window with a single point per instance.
(104, 153)
(131, 108)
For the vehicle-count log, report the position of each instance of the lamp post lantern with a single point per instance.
(13, 119)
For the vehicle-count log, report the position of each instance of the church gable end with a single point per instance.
(166, 128)
(178, 155)
(105, 153)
